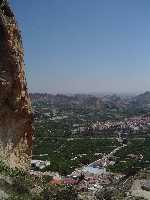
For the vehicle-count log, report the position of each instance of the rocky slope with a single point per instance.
(15, 108)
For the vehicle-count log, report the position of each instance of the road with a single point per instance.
(105, 158)
(97, 167)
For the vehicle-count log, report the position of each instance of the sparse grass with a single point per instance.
(21, 185)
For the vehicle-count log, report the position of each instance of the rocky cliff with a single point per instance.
(15, 107)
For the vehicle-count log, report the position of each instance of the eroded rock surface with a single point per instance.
(15, 107)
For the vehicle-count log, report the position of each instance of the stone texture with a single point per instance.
(15, 108)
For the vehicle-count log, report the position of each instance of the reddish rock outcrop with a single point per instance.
(15, 108)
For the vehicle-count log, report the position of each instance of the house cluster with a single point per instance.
(93, 183)
(86, 182)
(132, 124)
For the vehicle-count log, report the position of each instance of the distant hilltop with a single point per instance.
(143, 98)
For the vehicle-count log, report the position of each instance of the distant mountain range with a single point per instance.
(108, 101)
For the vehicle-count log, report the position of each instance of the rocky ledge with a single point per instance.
(15, 108)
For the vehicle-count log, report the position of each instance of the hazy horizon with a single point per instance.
(85, 46)
(101, 94)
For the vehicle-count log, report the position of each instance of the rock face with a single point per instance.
(15, 108)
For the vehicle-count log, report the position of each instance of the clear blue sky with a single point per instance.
(85, 45)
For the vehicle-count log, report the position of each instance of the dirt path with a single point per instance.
(137, 191)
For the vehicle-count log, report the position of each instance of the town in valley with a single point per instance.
(90, 141)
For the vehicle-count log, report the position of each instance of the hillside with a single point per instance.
(142, 99)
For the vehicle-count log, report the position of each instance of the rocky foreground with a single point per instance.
(19, 185)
